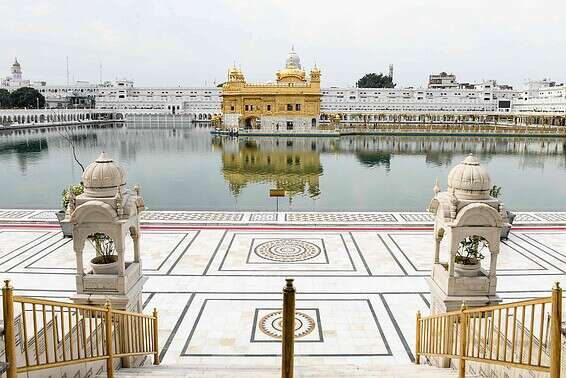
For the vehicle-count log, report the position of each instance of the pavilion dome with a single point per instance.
(102, 177)
(469, 180)
(292, 72)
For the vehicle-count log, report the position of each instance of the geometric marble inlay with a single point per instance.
(186, 216)
(417, 217)
(14, 214)
(272, 324)
(552, 217)
(287, 250)
(526, 218)
(45, 215)
(340, 217)
(263, 217)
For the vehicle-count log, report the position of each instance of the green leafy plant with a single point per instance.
(495, 191)
(469, 250)
(104, 247)
(65, 196)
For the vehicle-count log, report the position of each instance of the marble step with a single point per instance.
(386, 371)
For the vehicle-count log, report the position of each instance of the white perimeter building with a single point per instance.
(202, 103)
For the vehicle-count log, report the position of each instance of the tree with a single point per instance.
(5, 100)
(373, 80)
(27, 97)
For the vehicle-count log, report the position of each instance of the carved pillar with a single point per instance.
(78, 246)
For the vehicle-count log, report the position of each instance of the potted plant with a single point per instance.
(66, 196)
(469, 256)
(495, 192)
(105, 261)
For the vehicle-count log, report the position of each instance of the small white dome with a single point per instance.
(293, 60)
(469, 180)
(102, 177)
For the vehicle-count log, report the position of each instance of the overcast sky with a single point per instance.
(192, 42)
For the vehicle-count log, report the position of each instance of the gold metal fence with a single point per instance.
(55, 334)
(510, 334)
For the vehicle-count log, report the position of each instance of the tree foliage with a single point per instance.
(27, 97)
(5, 100)
(373, 80)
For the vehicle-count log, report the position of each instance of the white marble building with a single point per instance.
(368, 100)
(541, 96)
(202, 103)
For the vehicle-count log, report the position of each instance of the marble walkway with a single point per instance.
(216, 278)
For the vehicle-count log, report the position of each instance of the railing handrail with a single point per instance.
(491, 308)
(469, 333)
(74, 333)
(39, 301)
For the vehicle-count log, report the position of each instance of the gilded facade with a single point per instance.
(291, 103)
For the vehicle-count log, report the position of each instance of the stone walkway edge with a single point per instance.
(247, 218)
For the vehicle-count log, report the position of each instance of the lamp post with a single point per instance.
(37, 102)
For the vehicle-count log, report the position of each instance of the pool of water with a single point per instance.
(180, 166)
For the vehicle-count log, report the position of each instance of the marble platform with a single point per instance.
(216, 278)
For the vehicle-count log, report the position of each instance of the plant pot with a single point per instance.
(108, 268)
(66, 227)
(467, 270)
(505, 230)
(507, 226)
(510, 217)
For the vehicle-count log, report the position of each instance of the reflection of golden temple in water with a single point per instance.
(285, 164)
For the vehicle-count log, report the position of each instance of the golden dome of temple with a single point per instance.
(293, 71)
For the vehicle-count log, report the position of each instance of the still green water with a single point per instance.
(182, 167)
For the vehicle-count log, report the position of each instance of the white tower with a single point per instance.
(16, 71)
(391, 71)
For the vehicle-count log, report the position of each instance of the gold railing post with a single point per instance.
(463, 341)
(555, 331)
(155, 341)
(109, 352)
(9, 329)
(418, 339)
(288, 339)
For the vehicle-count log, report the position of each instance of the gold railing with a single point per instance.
(509, 334)
(55, 334)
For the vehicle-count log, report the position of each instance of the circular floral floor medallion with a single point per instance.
(272, 324)
(287, 250)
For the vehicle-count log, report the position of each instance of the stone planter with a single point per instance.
(467, 270)
(506, 229)
(66, 227)
(110, 268)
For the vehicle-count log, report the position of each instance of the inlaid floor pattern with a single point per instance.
(218, 290)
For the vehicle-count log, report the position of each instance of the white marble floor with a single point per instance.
(218, 288)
